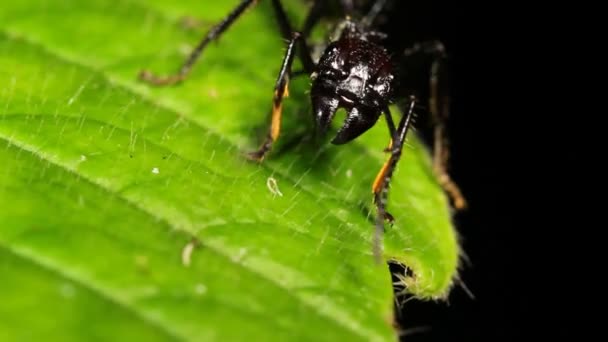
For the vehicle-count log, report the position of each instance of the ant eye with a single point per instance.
(335, 74)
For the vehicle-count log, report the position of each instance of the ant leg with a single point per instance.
(369, 18)
(439, 102)
(381, 183)
(391, 130)
(280, 91)
(286, 31)
(214, 33)
(282, 84)
(439, 105)
(389, 148)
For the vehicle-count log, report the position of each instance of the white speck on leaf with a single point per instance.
(240, 255)
(155, 171)
(67, 290)
(200, 289)
(349, 173)
(272, 185)
(187, 252)
(83, 158)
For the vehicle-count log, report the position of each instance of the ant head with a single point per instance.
(356, 75)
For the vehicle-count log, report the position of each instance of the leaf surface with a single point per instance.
(128, 210)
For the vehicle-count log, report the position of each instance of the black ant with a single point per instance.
(357, 73)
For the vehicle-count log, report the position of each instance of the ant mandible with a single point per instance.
(357, 73)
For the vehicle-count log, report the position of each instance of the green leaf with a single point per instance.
(107, 183)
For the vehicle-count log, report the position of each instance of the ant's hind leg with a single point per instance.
(439, 105)
(216, 31)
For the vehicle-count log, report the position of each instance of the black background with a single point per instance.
(491, 159)
(514, 154)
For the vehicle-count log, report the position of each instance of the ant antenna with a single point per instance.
(373, 13)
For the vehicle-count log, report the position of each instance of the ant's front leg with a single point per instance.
(439, 103)
(381, 184)
(280, 91)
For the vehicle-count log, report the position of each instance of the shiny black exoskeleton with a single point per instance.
(354, 73)
(357, 73)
